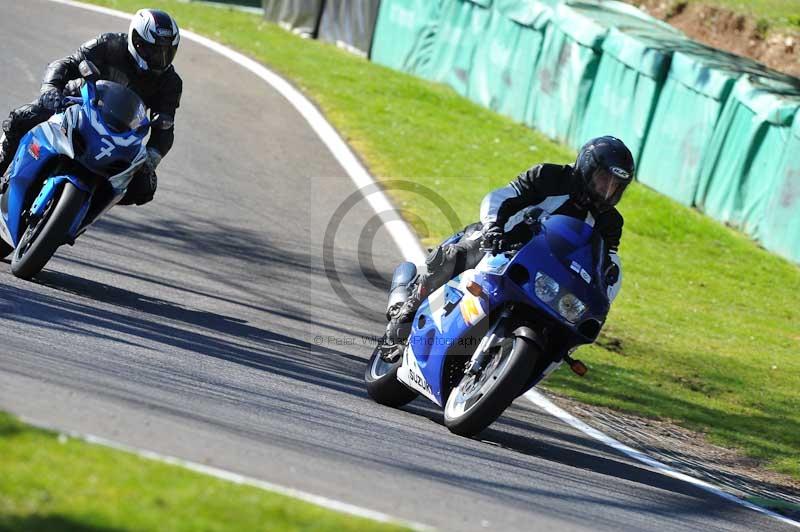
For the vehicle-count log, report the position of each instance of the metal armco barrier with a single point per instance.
(349, 24)
(405, 32)
(745, 169)
(698, 84)
(300, 16)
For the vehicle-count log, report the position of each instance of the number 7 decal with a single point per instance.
(105, 152)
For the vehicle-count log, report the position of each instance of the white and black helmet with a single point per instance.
(153, 39)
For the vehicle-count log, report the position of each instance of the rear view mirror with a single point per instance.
(89, 71)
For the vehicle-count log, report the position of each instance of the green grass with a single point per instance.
(707, 328)
(56, 484)
(769, 14)
(778, 14)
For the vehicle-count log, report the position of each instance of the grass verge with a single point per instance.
(54, 483)
(772, 14)
(706, 328)
(768, 15)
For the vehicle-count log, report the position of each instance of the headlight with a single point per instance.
(571, 307)
(545, 287)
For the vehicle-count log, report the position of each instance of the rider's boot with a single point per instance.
(401, 316)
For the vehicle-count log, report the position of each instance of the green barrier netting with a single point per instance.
(698, 83)
(740, 169)
(569, 60)
(405, 32)
(632, 70)
(780, 230)
(462, 26)
(505, 58)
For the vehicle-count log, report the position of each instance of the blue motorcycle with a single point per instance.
(70, 170)
(494, 332)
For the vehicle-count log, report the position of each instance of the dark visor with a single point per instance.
(606, 188)
(158, 55)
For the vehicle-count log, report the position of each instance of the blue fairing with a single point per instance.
(94, 135)
(50, 189)
(105, 152)
(25, 171)
(445, 321)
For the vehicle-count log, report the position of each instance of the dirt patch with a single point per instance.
(691, 453)
(727, 30)
(610, 343)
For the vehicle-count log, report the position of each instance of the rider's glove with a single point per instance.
(611, 273)
(492, 236)
(148, 173)
(153, 159)
(51, 99)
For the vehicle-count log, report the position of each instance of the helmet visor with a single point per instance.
(157, 55)
(606, 188)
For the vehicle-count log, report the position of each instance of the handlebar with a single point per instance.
(67, 102)
(500, 246)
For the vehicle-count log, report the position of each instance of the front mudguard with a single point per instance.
(48, 192)
(531, 334)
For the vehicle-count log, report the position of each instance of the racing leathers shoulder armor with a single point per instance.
(109, 52)
(555, 189)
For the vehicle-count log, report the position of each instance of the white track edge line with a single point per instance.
(380, 204)
(548, 406)
(400, 231)
(409, 245)
(229, 476)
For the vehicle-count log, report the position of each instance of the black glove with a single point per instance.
(492, 237)
(611, 273)
(149, 190)
(147, 180)
(51, 100)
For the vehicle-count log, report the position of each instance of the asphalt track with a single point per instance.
(203, 326)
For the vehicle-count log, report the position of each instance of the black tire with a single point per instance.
(5, 249)
(382, 383)
(514, 374)
(40, 241)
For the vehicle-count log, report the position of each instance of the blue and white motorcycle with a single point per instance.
(494, 332)
(70, 170)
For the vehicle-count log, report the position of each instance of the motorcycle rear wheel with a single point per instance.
(41, 239)
(476, 402)
(382, 384)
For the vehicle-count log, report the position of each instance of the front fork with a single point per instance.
(48, 193)
(493, 338)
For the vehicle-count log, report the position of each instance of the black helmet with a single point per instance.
(153, 39)
(606, 167)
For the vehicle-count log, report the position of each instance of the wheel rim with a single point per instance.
(379, 367)
(473, 388)
(32, 231)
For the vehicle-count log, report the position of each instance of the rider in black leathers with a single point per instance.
(589, 191)
(140, 60)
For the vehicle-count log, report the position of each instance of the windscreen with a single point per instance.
(122, 110)
(570, 239)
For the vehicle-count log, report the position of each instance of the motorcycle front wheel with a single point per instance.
(382, 384)
(43, 236)
(478, 400)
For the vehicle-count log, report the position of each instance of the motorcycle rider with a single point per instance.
(142, 61)
(589, 191)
